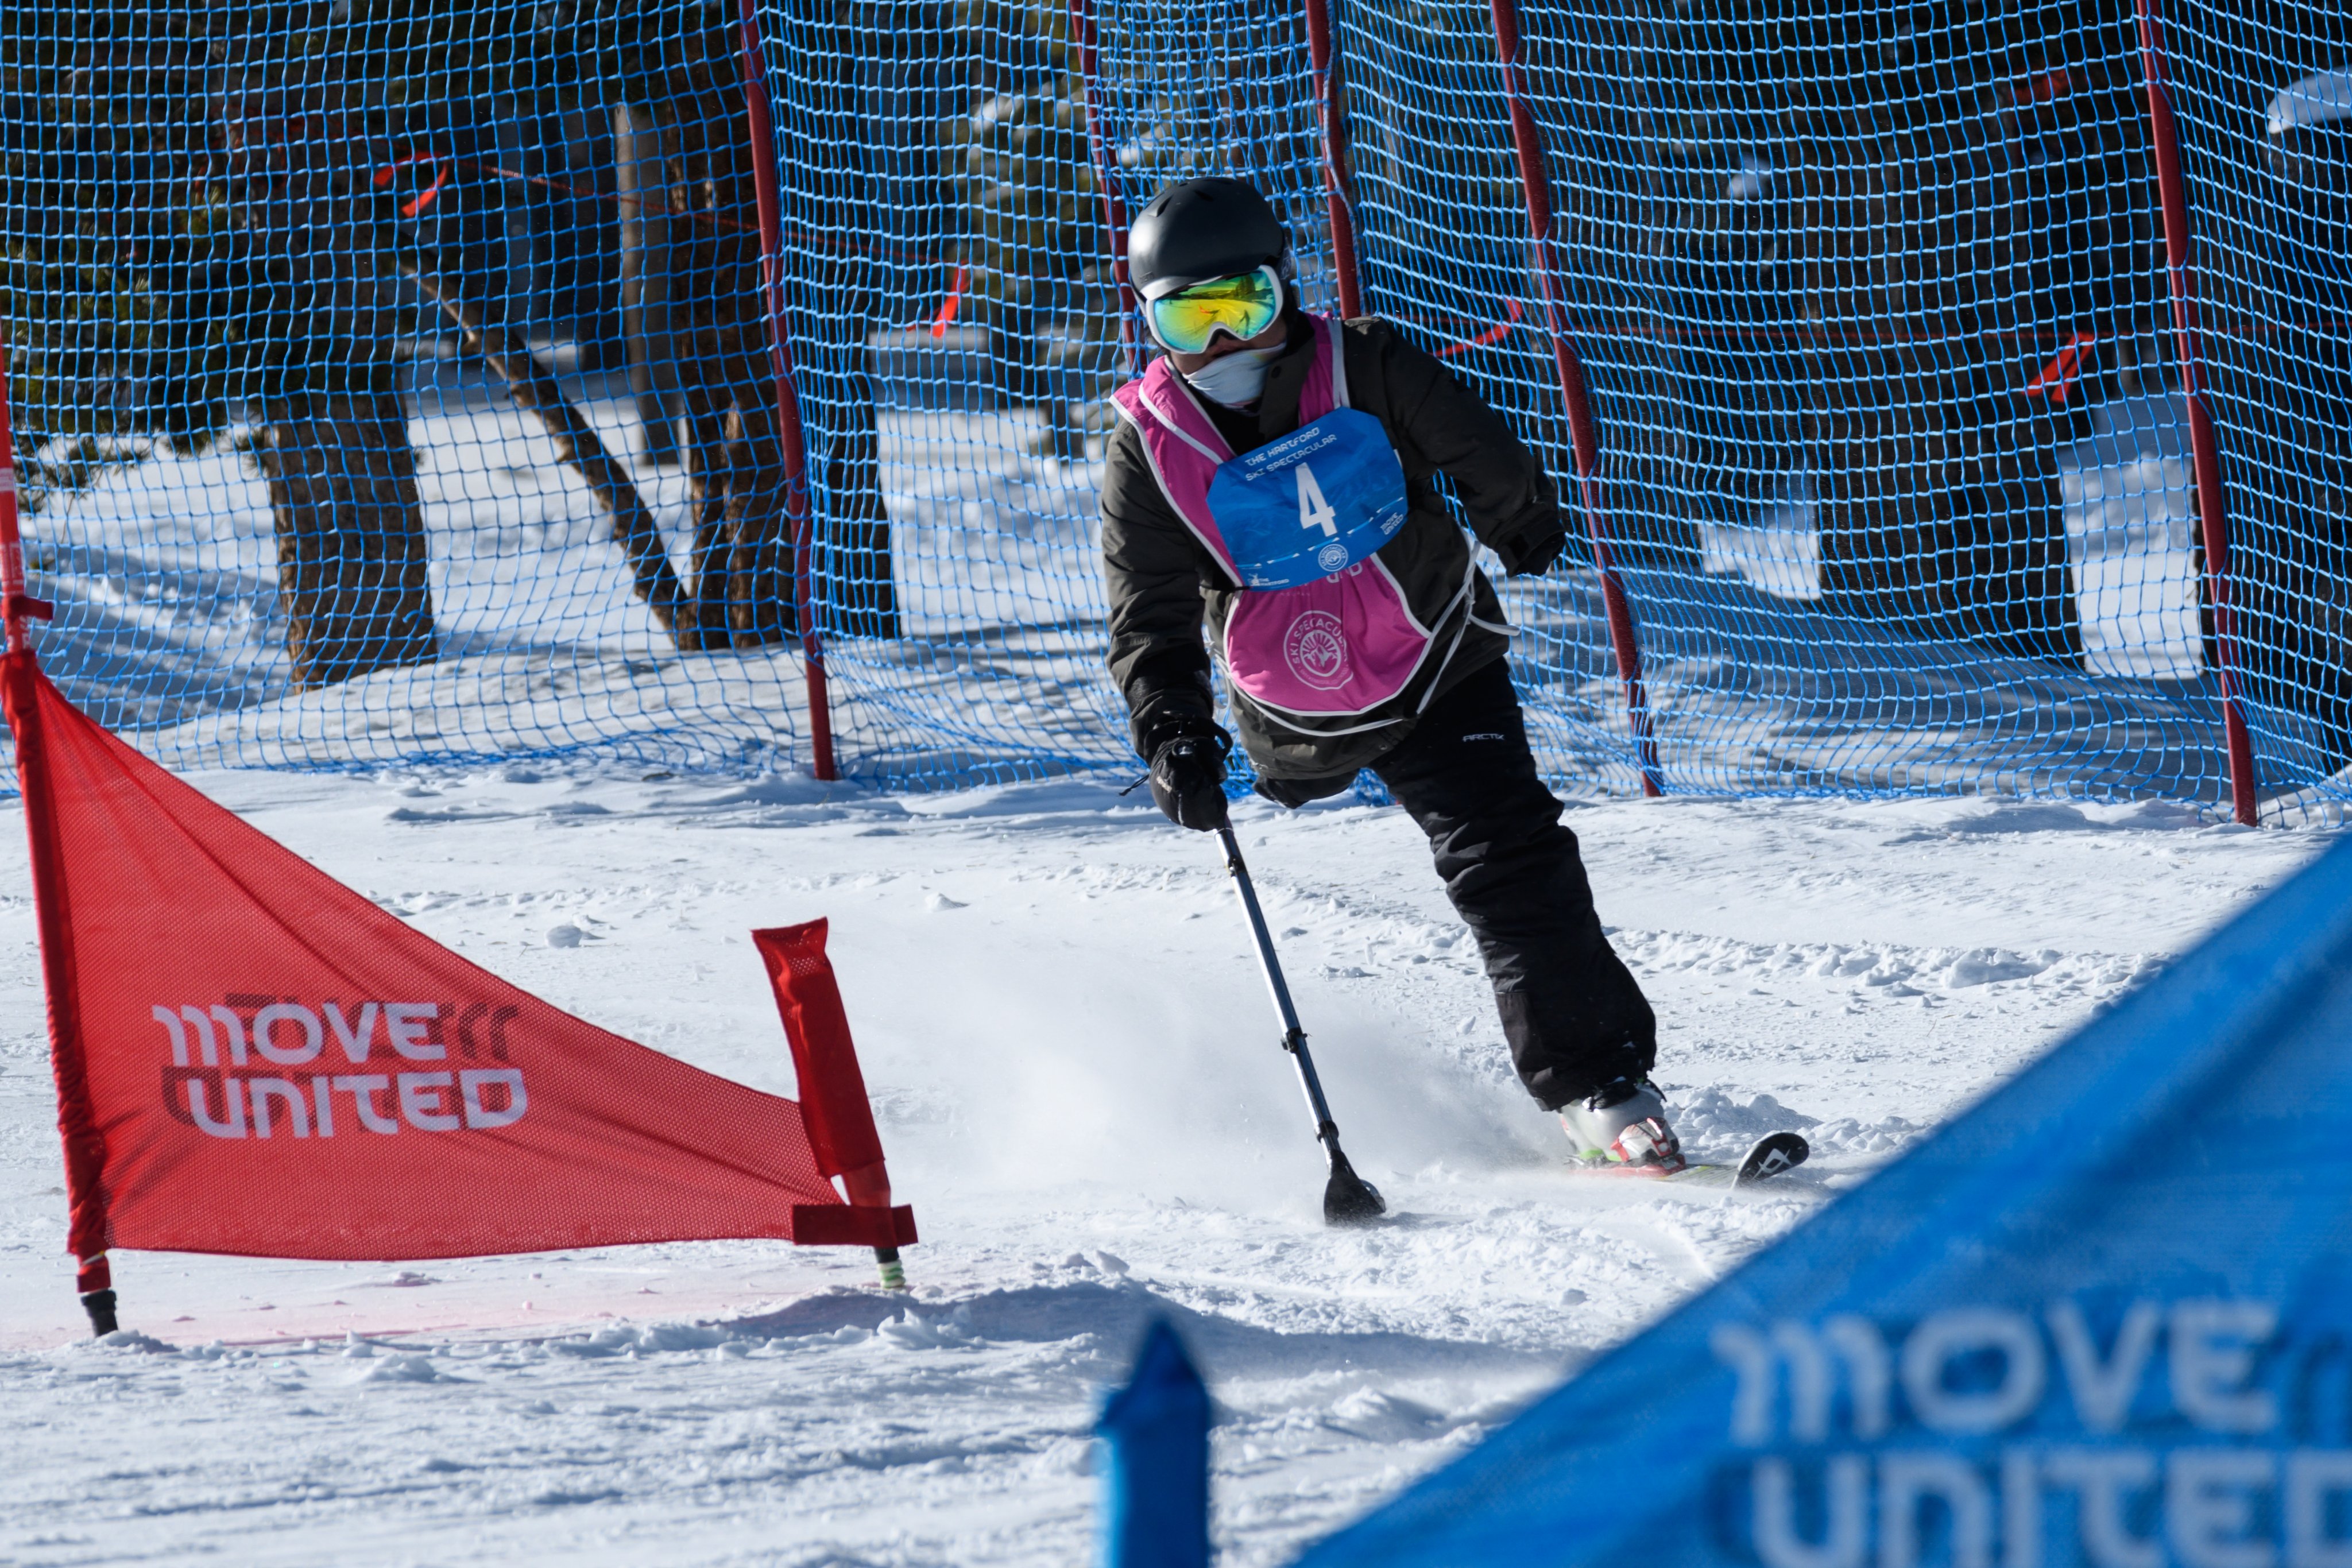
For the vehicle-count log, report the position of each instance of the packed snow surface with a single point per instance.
(1074, 1065)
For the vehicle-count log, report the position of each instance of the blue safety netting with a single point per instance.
(394, 379)
(1872, 306)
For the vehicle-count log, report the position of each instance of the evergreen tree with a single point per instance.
(156, 168)
(124, 286)
(1036, 260)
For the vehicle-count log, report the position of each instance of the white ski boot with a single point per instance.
(1623, 1125)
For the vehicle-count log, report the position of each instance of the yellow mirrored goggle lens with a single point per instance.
(1244, 306)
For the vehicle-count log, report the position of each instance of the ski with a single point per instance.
(1775, 1153)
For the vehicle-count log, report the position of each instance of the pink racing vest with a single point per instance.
(1337, 646)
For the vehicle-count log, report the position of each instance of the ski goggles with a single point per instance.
(1243, 305)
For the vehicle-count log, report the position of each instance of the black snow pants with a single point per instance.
(1574, 1015)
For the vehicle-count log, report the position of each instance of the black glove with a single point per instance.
(1537, 556)
(1188, 779)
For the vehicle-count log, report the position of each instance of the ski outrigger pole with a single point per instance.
(1348, 1198)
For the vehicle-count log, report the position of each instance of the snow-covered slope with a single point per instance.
(1076, 1067)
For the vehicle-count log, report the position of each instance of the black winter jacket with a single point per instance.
(1163, 581)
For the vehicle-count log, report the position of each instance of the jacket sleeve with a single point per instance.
(1438, 424)
(1155, 570)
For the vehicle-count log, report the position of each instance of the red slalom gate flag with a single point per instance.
(253, 1059)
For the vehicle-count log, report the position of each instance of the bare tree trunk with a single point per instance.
(865, 594)
(534, 387)
(350, 537)
(709, 341)
(742, 577)
(342, 477)
(760, 606)
(708, 480)
(642, 149)
(743, 580)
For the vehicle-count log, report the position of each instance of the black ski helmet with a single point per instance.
(1197, 230)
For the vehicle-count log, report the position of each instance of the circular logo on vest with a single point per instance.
(1332, 556)
(1315, 649)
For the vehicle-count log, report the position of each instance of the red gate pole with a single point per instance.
(790, 443)
(1331, 116)
(85, 1146)
(1535, 186)
(1114, 207)
(2205, 450)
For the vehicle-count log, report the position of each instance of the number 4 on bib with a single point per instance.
(1314, 511)
(1285, 523)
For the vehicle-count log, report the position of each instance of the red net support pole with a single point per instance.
(16, 606)
(1332, 115)
(1535, 187)
(2205, 451)
(791, 445)
(1114, 208)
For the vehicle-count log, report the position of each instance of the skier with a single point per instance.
(1275, 469)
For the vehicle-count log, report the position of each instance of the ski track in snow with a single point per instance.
(1076, 1074)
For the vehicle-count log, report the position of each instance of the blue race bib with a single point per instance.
(1312, 504)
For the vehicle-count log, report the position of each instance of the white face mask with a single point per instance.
(1235, 379)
